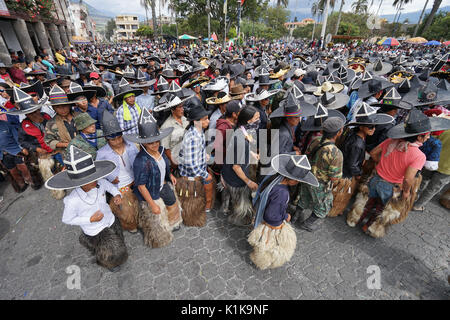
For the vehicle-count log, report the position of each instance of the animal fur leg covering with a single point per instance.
(193, 202)
(445, 199)
(156, 228)
(272, 247)
(45, 166)
(343, 191)
(128, 211)
(242, 208)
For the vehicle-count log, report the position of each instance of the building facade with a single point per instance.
(33, 30)
(85, 27)
(291, 26)
(126, 27)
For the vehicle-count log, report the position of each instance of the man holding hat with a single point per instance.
(326, 162)
(86, 206)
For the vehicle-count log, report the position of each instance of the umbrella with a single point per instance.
(417, 40)
(433, 43)
(186, 37)
(446, 43)
(381, 41)
(390, 42)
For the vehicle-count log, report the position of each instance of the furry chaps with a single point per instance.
(157, 232)
(193, 201)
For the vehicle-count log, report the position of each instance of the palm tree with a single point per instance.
(339, 17)
(144, 3)
(436, 5)
(282, 3)
(360, 6)
(420, 19)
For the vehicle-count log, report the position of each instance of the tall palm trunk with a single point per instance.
(153, 5)
(339, 17)
(160, 19)
(420, 19)
(436, 5)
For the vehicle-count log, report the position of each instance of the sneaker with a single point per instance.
(311, 224)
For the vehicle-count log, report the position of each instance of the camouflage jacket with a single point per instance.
(82, 144)
(56, 131)
(327, 161)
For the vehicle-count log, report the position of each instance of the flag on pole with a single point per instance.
(225, 7)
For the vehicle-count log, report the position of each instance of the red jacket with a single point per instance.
(17, 75)
(34, 132)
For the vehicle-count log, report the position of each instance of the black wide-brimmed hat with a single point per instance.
(366, 115)
(77, 91)
(334, 100)
(168, 72)
(81, 170)
(314, 123)
(417, 123)
(236, 70)
(305, 87)
(110, 125)
(264, 80)
(141, 81)
(373, 86)
(58, 97)
(391, 99)
(129, 73)
(438, 63)
(344, 75)
(379, 67)
(124, 89)
(194, 109)
(292, 107)
(24, 103)
(295, 167)
(148, 130)
(161, 87)
(426, 94)
(100, 91)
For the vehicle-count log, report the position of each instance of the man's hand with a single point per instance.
(209, 177)
(288, 218)
(25, 151)
(156, 209)
(41, 151)
(115, 181)
(118, 200)
(406, 195)
(253, 186)
(97, 216)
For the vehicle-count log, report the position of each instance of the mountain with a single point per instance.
(413, 17)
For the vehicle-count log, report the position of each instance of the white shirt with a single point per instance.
(79, 206)
(162, 169)
(126, 175)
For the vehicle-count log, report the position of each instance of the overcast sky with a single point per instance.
(134, 7)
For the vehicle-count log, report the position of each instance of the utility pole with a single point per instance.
(239, 20)
(208, 10)
(225, 9)
(324, 24)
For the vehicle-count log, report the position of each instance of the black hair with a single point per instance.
(245, 115)
(412, 139)
(269, 181)
(328, 135)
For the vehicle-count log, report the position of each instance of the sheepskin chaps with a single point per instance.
(174, 212)
(396, 210)
(272, 247)
(358, 206)
(445, 199)
(45, 166)
(343, 191)
(156, 228)
(193, 201)
(242, 212)
(108, 246)
(128, 211)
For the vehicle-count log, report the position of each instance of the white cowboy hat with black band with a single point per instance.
(172, 101)
(81, 170)
(264, 94)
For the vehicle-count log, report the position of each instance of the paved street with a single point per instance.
(213, 262)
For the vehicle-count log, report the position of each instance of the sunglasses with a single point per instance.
(370, 127)
(2, 90)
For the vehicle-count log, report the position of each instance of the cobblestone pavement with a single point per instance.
(213, 262)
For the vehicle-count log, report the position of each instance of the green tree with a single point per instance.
(110, 27)
(429, 20)
(144, 31)
(169, 29)
(360, 6)
(282, 3)
(439, 28)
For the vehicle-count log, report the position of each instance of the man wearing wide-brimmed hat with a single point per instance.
(123, 154)
(154, 184)
(129, 111)
(81, 98)
(392, 190)
(88, 139)
(86, 206)
(219, 103)
(146, 99)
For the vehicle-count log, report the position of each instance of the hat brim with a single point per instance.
(252, 96)
(120, 96)
(278, 164)
(378, 118)
(199, 116)
(387, 67)
(271, 82)
(86, 93)
(16, 112)
(143, 84)
(340, 101)
(100, 92)
(167, 106)
(410, 99)
(306, 110)
(437, 124)
(136, 139)
(350, 76)
(308, 124)
(62, 180)
(363, 91)
(217, 101)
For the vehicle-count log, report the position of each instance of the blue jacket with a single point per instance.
(107, 153)
(146, 172)
(102, 105)
(9, 139)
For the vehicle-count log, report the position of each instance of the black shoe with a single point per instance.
(298, 215)
(311, 224)
(115, 269)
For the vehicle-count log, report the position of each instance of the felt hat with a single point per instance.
(148, 130)
(77, 91)
(417, 123)
(315, 122)
(295, 167)
(81, 170)
(24, 103)
(291, 107)
(379, 67)
(367, 115)
(100, 91)
(58, 97)
(334, 100)
(195, 110)
(171, 101)
(124, 89)
(141, 82)
(391, 99)
(426, 94)
(161, 87)
(237, 92)
(110, 125)
(373, 86)
(344, 75)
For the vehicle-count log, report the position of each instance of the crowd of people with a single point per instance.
(146, 136)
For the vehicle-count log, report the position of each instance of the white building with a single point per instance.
(127, 26)
(83, 23)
